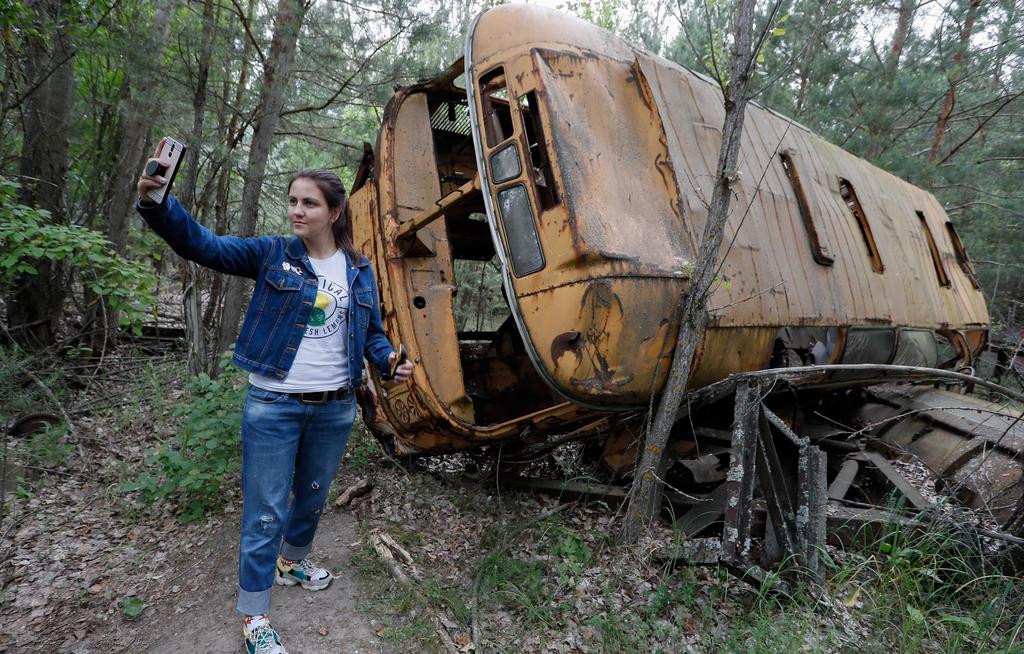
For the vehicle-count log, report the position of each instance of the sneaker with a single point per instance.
(303, 572)
(261, 638)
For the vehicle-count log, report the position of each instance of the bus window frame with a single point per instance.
(517, 138)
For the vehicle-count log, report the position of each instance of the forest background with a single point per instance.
(929, 90)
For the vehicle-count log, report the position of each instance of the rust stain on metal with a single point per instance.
(566, 342)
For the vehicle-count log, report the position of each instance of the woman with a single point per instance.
(313, 316)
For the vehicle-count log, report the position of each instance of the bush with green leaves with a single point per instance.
(191, 472)
(27, 236)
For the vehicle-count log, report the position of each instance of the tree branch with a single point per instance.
(979, 128)
(70, 55)
(348, 80)
(248, 32)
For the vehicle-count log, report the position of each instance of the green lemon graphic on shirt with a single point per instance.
(317, 317)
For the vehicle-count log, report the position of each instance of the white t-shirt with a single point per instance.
(321, 362)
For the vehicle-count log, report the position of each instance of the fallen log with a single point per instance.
(360, 488)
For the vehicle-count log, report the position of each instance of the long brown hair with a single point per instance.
(334, 194)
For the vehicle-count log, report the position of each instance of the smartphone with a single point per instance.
(402, 357)
(165, 163)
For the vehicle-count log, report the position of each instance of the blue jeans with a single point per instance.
(287, 447)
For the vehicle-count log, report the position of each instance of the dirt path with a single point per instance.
(202, 618)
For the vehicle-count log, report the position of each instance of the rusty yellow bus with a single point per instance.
(579, 168)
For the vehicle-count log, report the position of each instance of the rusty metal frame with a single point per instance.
(794, 529)
(800, 374)
(786, 524)
(777, 494)
(890, 477)
(483, 173)
(407, 231)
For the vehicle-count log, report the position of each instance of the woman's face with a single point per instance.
(308, 211)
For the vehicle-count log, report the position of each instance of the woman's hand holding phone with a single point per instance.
(159, 172)
(401, 367)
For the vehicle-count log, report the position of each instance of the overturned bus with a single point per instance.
(579, 168)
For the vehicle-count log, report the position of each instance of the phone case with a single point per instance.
(402, 357)
(170, 155)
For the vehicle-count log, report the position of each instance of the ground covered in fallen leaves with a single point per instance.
(80, 558)
(496, 570)
(87, 566)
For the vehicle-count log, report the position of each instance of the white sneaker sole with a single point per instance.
(281, 580)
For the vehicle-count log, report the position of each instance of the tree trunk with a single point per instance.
(955, 75)
(290, 14)
(220, 211)
(904, 21)
(228, 134)
(191, 163)
(878, 124)
(35, 307)
(135, 126)
(191, 306)
(645, 497)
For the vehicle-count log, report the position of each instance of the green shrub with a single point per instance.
(192, 471)
(49, 448)
(27, 236)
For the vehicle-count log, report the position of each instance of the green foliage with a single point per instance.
(27, 236)
(132, 606)
(772, 35)
(572, 554)
(515, 583)
(362, 448)
(603, 13)
(192, 471)
(49, 448)
(480, 303)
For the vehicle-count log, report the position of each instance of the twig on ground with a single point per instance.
(443, 627)
(386, 549)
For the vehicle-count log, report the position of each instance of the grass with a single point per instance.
(405, 611)
(931, 591)
(49, 448)
(362, 450)
(559, 579)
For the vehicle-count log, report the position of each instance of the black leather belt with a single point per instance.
(322, 397)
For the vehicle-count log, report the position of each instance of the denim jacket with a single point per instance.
(285, 290)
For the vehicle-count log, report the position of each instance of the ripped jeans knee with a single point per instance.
(268, 522)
